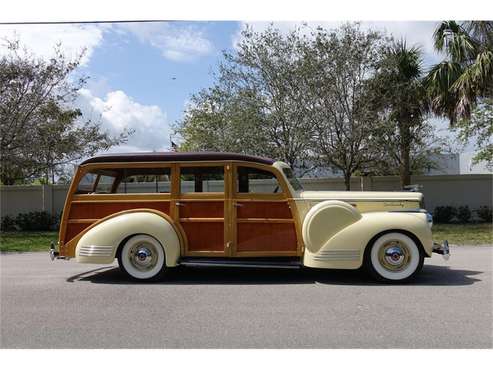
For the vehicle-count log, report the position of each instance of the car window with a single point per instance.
(255, 180)
(145, 180)
(202, 179)
(86, 184)
(104, 184)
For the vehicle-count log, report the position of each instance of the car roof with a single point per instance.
(176, 157)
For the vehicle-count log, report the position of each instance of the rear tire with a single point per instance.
(142, 258)
(394, 258)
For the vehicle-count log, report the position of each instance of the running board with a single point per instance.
(219, 262)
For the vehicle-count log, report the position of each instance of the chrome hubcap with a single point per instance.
(143, 256)
(394, 256)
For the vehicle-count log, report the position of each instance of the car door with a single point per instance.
(201, 208)
(263, 217)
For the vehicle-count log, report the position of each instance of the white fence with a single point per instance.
(454, 190)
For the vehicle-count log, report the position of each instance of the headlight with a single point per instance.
(429, 219)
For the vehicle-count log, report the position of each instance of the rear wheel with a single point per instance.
(394, 257)
(142, 258)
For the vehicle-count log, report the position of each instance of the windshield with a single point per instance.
(288, 172)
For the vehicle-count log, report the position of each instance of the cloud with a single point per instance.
(41, 39)
(118, 112)
(176, 42)
(418, 33)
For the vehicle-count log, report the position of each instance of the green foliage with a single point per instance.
(485, 213)
(400, 97)
(35, 221)
(479, 127)
(444, 214)
(340, 65)
(466, 76)
(463, 214)
(41, 129)
(8, 224)
(255, 105)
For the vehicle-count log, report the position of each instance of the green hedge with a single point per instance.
(31, 221)
(461, 214)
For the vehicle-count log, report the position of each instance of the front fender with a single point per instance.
(341, 235)
(100, 243)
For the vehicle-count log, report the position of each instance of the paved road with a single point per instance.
(63, 304)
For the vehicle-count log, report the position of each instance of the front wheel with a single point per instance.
(394, 257)
(142, 258)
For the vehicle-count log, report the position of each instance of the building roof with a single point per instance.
(175, 157)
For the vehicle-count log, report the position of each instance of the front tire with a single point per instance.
(142, 258)
(394, 257)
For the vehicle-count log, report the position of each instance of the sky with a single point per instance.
(142, 75)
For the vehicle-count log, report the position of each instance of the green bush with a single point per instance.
(35, 221)
(8, 224)
(444, 214)
(463, 214)
(485, 214)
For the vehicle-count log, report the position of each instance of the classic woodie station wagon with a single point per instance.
(155, 211)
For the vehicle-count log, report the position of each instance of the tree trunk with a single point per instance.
(405, 154)
(347, 181)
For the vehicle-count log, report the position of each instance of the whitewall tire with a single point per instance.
(142, 257)
(394, 257)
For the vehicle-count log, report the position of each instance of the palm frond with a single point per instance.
(438, 85)
(475, 81)
(481, 31)
(452, 38)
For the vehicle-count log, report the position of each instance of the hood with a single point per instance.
(367, 196)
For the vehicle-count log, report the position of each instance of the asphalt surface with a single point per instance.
(63, 304)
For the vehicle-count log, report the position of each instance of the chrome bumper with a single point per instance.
(55, 254)
(442, 249)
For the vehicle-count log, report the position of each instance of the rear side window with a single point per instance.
(86, 184)
(97, 182)
(126, 180)
(202, 179)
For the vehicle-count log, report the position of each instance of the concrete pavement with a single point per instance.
(63, 304)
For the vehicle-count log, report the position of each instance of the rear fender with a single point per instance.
(100, 243)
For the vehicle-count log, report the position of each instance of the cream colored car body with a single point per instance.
(337, 226)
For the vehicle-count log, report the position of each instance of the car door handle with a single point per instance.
(238, 205)
(180, 204)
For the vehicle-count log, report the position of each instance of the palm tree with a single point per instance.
(466, 75)
(401, 95)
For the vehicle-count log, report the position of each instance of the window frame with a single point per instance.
(193, 194)
(117, 166)
(282, 194)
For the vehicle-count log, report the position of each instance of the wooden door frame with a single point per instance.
(282, 197)
(225, 197)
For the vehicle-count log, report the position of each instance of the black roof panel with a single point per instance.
(176, 157)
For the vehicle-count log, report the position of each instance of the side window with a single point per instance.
(202, 179)
(104, 184)
(145, 180)
(86, 184)
(97, 182)
(254, 180)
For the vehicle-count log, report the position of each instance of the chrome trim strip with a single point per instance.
(96, 250)
(338, 255)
